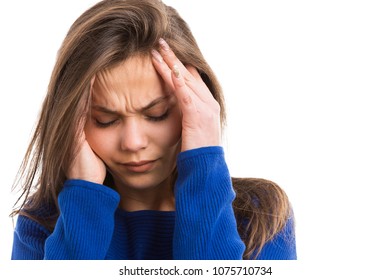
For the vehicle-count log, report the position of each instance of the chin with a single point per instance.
(140, 182)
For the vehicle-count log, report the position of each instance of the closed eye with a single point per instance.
(105, 124)
(158, 118)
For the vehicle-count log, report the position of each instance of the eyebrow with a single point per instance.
(145, 108)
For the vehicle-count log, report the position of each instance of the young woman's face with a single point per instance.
(134, 125)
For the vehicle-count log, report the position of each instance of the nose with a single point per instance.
(133, 136)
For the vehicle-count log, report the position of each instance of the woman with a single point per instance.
(126, 160)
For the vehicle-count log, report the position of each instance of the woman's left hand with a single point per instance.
(201, 125)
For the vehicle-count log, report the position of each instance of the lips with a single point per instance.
(140, 166)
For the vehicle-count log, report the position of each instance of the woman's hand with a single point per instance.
(201, 112)
(87, 165)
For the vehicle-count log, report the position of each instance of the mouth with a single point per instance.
(140, 166)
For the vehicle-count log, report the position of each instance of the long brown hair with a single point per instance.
(103, 36)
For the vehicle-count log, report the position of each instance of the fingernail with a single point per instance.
(176, 71)
(157, 56)
(163, 44)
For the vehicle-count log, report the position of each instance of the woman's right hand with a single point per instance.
(87, 165)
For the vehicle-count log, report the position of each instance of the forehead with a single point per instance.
(130, 85)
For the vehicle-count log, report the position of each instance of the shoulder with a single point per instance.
(282, 246)
(261, 193)
(263, 213)
(28, 226)
(38, 214)
(29, 238)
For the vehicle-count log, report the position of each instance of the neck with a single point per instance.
(160, 197)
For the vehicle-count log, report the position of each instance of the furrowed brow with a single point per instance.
(145, 108)
(155, 102)
(104, 110)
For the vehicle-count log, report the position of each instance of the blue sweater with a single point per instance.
(91, 226)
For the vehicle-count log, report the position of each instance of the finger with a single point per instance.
(173, 73)
(192, 78)
(175, 79)
(162, 68)
(186, 98)
(198, 86)
(170, 59)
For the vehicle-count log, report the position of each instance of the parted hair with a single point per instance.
(102, 37)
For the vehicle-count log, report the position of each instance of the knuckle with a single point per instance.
(168, 54)
(189, 79)
(187, 99)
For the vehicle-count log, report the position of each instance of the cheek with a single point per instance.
(100, 140)
(168, 134)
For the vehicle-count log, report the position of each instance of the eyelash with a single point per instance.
(159, 118)
(149, 118)
(104, 125)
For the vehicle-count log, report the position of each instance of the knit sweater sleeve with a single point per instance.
(206, 227)
(83, 230)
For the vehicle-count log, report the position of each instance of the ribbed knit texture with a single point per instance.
(91, 226)
(204, 199)
(142, 235)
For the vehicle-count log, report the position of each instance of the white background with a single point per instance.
(307, 89)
